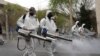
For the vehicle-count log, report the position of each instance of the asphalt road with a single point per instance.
(75, 48)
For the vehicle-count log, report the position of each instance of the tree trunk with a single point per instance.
(71, 20)
(7, 31)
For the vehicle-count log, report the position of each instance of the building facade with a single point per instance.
(98, 15)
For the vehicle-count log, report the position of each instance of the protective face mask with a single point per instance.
(31, 14)
(53, 18)
(49, 15)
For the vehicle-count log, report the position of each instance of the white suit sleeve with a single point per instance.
(43, 23)
(54, 26)
(73, 28)
(20, 22)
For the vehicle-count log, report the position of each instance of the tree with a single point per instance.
(77, 9)
(13, 11)
(65, 7)
(60, 18)
(88, 15)
(40, 14)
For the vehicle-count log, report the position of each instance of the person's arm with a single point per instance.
(73, 28)
(20, 22)
(54, 27)
(43, 23)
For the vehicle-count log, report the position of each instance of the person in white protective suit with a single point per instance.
(81, 30)
(49, 25)
(30, 24)
(85, 32)
(74, 28)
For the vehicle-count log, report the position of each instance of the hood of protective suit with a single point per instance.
(83, 25)
(76, 22)
(48, 13)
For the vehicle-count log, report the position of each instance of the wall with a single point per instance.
(98, 15)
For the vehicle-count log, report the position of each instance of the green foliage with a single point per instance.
(60, 20)
(13, 11)
(61, 6)
(40, 14)
(55, 3)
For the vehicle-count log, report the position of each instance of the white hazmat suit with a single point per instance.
(81, 30)
(30, 23)
(74, 28)
(51, 27)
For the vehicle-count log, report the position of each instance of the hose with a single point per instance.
(18, 45)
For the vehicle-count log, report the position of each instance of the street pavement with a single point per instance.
(64, 48)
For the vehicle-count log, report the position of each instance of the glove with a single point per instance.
(44, 32)
(57, 30)
(25, 28)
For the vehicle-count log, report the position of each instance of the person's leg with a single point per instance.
(1, 37)
(29, 49)
(26, 50)
(48, 46)
(1, 40)
(54, 46)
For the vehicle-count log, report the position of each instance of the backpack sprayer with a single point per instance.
(58, 37)
(46, 33)
(27, 38)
